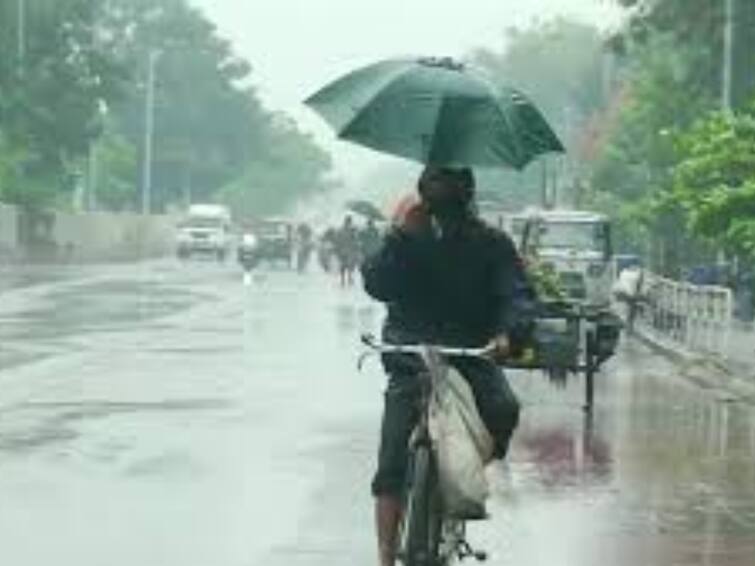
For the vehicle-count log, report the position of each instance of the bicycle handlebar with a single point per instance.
(371, 342)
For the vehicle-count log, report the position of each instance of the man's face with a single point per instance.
(442, 195)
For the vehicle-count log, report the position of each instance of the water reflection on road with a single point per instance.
(664, 474)
(174, 415)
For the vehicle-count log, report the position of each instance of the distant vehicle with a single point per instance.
(206, 230)
(248, 252)
(275, 239)
(577, 246)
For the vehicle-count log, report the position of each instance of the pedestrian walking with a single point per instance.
(347, 251)
(369, 240)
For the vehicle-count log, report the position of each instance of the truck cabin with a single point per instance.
(575, 232)
(577, 246)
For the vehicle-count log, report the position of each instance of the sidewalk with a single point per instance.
(732, 376)
(741, 347)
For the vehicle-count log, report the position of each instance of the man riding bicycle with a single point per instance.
(447, 278)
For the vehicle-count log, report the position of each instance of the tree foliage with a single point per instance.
(559, 64)
(291, 165)
(86, 67)
(633, 170)
(696, 25)
(117, 165)
(50, 92)
(675, 170)
(700, 24)
(715, 180)
(671, 79)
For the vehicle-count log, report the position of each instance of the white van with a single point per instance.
(205, 230)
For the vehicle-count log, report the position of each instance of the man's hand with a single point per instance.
(499, 348)
(410, 215)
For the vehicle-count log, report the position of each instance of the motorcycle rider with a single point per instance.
(248, 250)
(447, 278)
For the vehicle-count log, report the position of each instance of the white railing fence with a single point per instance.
(697, 317)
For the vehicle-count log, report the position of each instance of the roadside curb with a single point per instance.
(734, 381)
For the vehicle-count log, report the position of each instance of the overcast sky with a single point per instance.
(295, 46)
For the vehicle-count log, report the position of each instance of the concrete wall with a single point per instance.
(96, 236)
(8, 229)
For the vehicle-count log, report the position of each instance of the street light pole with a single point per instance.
(21, 35)
(728, 72)
(544, 183)
(91, 185)
(149, 126)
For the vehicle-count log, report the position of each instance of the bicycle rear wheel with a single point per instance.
(423, 520)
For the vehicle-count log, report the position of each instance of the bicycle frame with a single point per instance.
(450, 533)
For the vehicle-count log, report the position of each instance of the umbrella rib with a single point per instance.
(517, 142)
(320, 100)
(378, 92)
(543, 146)
(438, 122)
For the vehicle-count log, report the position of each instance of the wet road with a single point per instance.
(169, 415)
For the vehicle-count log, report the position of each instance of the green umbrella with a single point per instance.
(435, 111)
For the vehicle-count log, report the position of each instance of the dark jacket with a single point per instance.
(453, 290)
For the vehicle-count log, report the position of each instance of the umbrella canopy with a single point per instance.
(435, 111)
(366, 209)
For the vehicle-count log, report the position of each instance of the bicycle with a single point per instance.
(427, 535)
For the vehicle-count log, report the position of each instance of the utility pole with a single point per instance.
(187, 186)
(21, 35)
(728, 64)
(91, 185)
(558, 177)
(728, 76)
(149, 127)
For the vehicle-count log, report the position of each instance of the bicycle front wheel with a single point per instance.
(422, 521)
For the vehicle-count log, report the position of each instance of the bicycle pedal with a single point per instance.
(479, 556)
(466, 551)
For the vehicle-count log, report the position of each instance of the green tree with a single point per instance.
(559, 64)
(700, 24)
(715, 180)
(694, 26)
(291, 166)
(85, 68)
(204, 117)
(211, 130)
(49, 101)
(11, 159)
(632, 172)
(117, 168)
